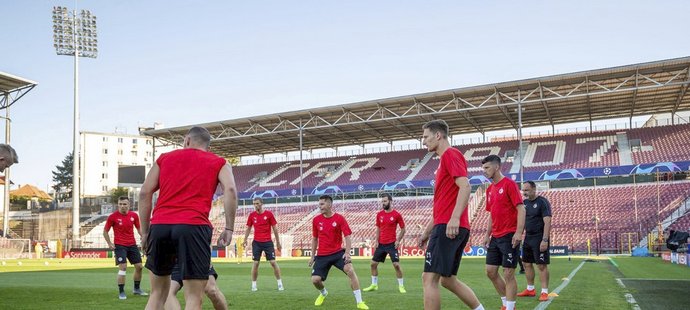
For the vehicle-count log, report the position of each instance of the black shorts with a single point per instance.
(443, 255)
(502, 253)
(189, 246)
(322, 264)
(531, 253)
(177, 276)
(266, 247)
(124, 253)
(386, 249)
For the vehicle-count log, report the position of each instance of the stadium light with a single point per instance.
(75, 35)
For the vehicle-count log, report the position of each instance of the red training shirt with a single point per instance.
(330, 231)
(387, 224)
(262, 225)
(188, 178)
(451, 166)
(123, 227)
(502, 200)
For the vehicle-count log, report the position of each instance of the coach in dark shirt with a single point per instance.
(536, 245)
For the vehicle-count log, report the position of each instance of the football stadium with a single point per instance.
(614, 190)
(608, 148)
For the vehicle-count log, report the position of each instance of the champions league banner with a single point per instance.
(476, 179)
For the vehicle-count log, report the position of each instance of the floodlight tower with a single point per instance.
(75, 35)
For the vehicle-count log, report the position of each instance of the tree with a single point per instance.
(62, 176)
(117, 192)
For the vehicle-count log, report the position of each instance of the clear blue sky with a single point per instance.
(186, 62)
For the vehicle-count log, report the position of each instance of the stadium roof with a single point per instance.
(12, 88)
(625, 91)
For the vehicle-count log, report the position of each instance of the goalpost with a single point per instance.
(15, 248)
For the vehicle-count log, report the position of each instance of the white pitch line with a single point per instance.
(545, 304)
(629, 297)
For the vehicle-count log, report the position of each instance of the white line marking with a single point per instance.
(545, 304)
(629, 297)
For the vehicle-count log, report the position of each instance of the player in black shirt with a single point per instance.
(536, 245)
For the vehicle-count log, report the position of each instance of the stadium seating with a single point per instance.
(583, 150)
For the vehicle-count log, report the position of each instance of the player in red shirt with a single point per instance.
(504, 233)
(328, 229)
(180, 230)
(387, 243)
(125, 248)
(263, 222)
(449, 231)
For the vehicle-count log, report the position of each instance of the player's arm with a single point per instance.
(376, 238)
(517, 237)
(453, 227)
(426, 233)
(314, 246)
(401, 234)
(348, 247)
(149, 187)
(275, 232)
(547, 234)
(246, 235)
(106, 236)
(227, 181)
(487, 236)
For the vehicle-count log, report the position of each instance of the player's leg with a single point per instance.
(432, 295)
(134, 257)
(215, 295)
(276, 273)
(319, 274)
(194, 259)
(354, 281)
(171, 302)
(432, 273)
(160, 288)
(121, 262)
(528, 260)
(493, 262)
(193, 290)
(448, 264)
(374, 277)
(395, 258)
(544, 278)
(121, 274)
(161, 252)
(460, 289)
(256, 260)
(271, 258)
(510, 255)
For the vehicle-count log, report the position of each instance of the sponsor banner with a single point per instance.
(474, 251)
(687, 259)
(558, 250)
(682, 259)
(411, 251)
(666, 256)
(674, 258)
(86, 254)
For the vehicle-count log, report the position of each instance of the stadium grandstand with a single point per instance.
(610, 188)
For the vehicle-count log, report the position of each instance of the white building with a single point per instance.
(102, 154)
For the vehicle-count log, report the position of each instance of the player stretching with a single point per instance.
(328, 229)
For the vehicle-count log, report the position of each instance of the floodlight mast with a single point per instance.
(75, 35)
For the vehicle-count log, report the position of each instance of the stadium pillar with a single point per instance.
(520, 136)
(75, 144)
(6, 210)
(301, 169)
